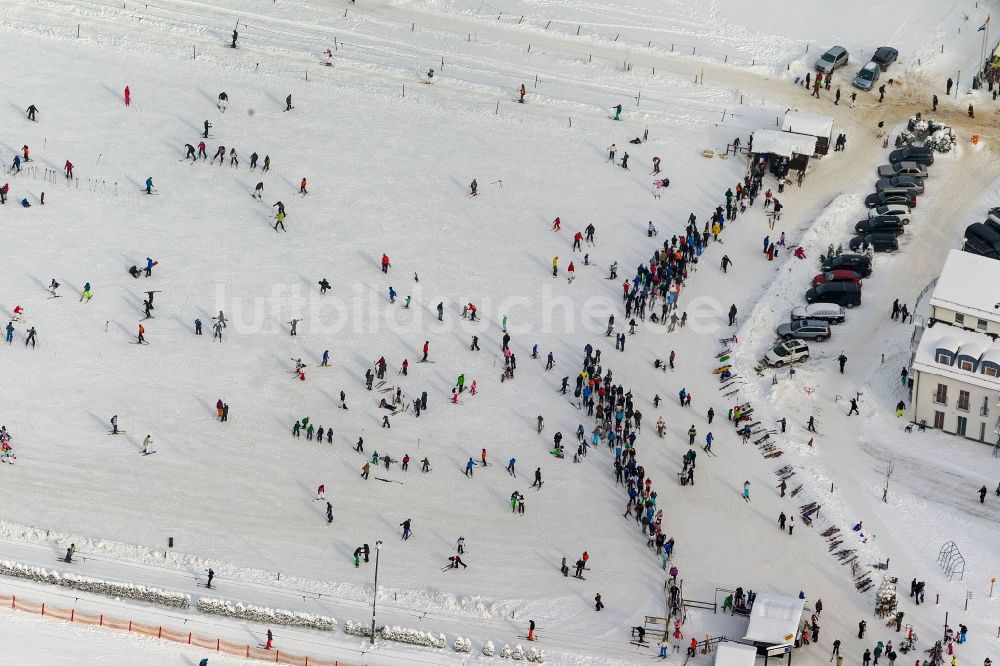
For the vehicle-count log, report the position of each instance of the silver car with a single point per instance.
(867, 76)
(804, 329)
(832, 59)
(911, 183)
(902, 169)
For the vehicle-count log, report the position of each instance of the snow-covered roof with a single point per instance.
(735, 654)
(774, 620)
(951, 337)
(991, 355)
(813, 124)
(783, 143)
(974, 348)
(969, 284)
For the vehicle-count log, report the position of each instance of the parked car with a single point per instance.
(918, 154)
(899, 211)
(905, 198)
(882, 242)
(859, 263)
(902, 169)
(884, 56)
(867, 76)
(828, 312)
(900, 182)
(805, 329)
(834, 58)
(847, 294)
(880, 224)
(841, 275)
(786, 352)
(993, 219)
(982, 240)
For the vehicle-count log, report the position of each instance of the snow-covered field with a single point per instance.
(388, 162)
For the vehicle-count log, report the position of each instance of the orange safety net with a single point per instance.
(70, 615)
(58, 613)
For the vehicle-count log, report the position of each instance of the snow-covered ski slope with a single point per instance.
(388, 161)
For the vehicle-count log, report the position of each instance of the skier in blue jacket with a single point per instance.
(149, 185)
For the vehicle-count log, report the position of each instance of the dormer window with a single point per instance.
(943, 359)
(966, 365)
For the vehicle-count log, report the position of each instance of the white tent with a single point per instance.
(774, 620)
(783, 143)
(812, 124)
(735, 654)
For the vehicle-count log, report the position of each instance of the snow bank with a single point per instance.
(405, 635)
(96, 585)
(413, 637)
(357, 629)
(488, 649)
(266, 615)
(462, 644)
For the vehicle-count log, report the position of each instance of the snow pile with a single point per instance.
(266, 615)
(942, 141)
(96, 585)
(413, 637)
(935, 135)
(357, 629)
(505, 652)
(488, 649)
(462, 644)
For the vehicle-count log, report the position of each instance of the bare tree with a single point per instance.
(889, 469)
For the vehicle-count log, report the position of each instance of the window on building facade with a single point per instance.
(961, 426)
(944, 359)
(989, 371)
(959, 318)
(939, 420)
(982, 431)
(985, 409)
(966, 365)
(981, 324)
(941, 394)
(963, 400)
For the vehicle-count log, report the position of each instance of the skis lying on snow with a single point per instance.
(379, 478)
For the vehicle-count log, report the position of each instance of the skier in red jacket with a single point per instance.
(69, 170)
(426, 349)
(128, 96)
(385, 263)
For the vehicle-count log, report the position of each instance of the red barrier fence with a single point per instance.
(164, 633)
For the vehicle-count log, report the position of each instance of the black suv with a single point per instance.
(918, 154)
(858, 263)
(879, 242)
(880, 224)
(847, 294)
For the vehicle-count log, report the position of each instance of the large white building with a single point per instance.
(955, 369)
